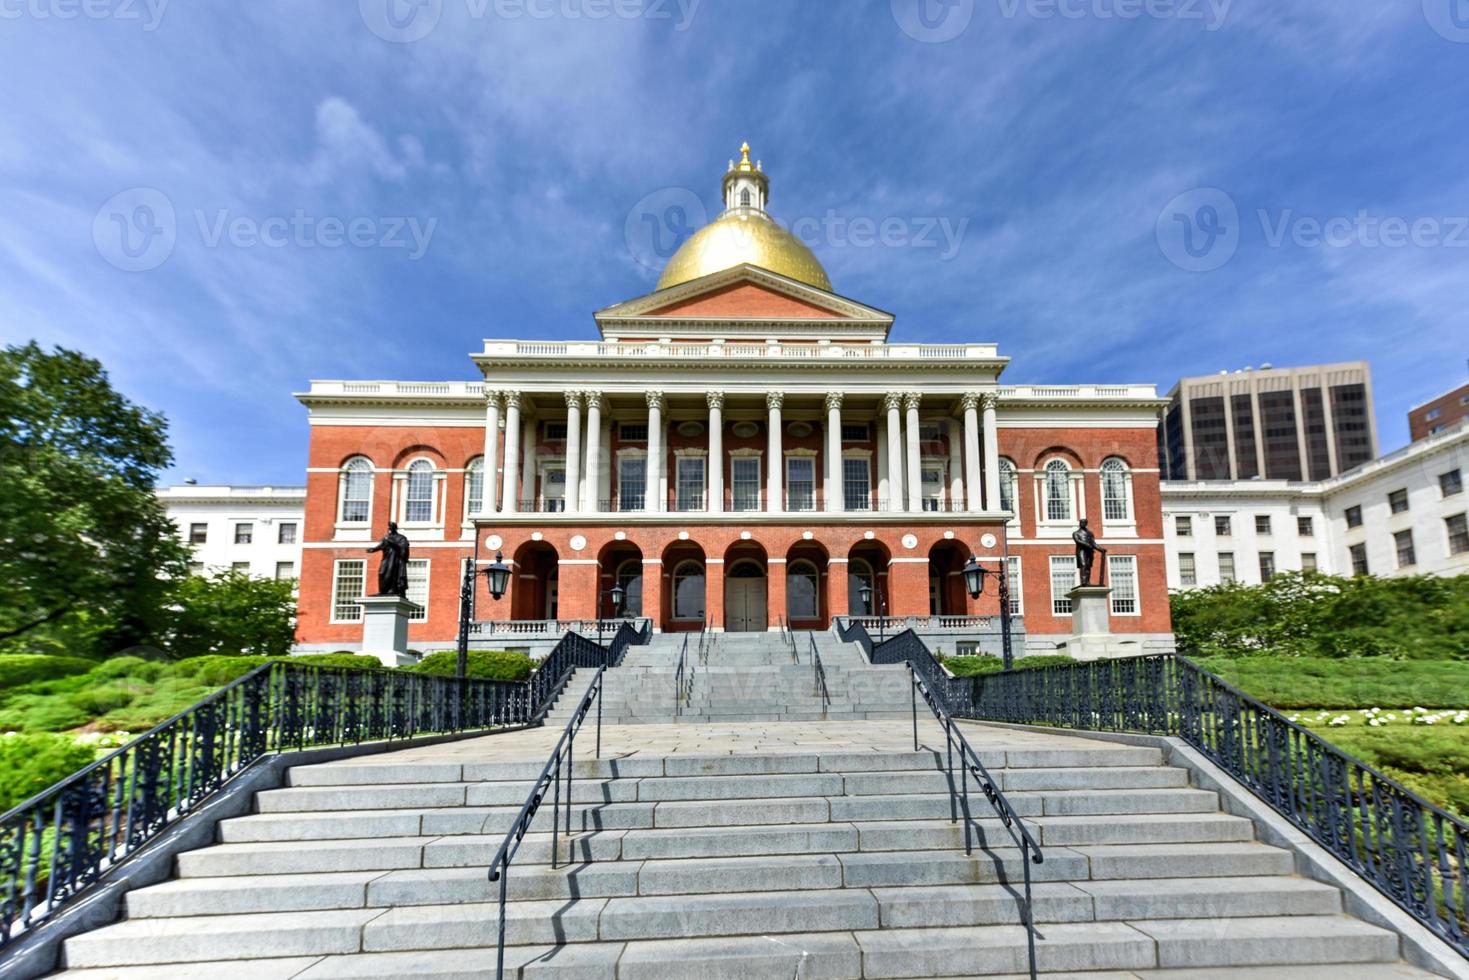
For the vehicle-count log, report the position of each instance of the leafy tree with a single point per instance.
(231, 614)
(87, 553)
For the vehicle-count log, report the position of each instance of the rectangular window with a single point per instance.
(349, 576)
(1305, 527)
(933, 488)
(1354, 516)
(555, 431)
(1063, 580)
(1451, 483)
(553, 492)
(1397, 501)
(632, 432)
(286, 534)
(1016, 588)
(632, 483)
(1188, 573)
(1403, 541)
(929, 432)
(418, 589)
(857, 484)
(1433, 413)
(285, 570)
(1222, 527)
(244, 533)
(198, 533)
(1458, 529)
(240, 567)
(1267, 566)
(689, 493)
(1262, 523)
(1308, 561)
(856, 432)
(1183, 526)
(196, 568)
(1359, 559)
(1122, 573)
(1226, 567)
(801, 483)
(744, 474)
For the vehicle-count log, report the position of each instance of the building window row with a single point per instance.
(244, 532)
(349, 584)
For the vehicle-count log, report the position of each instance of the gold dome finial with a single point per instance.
(745, 163)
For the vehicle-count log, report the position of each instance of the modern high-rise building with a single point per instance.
(1439, 415)
(1306, 423)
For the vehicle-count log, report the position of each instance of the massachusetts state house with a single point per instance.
(743, 447)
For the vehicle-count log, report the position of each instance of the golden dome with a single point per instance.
(744, 234)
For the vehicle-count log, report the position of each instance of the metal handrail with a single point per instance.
(681, 677)
(789, 637)
(819, 670)
(1415, 853)
(550, 774)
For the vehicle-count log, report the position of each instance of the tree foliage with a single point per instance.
(233, 614)
(1308, 615)
(87, 553)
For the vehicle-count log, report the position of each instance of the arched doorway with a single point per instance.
(745, 584)
(867, 564)
(621, 564)
(684, 605)
(946, 596)
(537, 574)
(806, 599)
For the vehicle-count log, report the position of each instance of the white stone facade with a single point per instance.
(257, 530)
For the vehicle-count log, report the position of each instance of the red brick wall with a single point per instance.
(745, 300)
(1450, 410)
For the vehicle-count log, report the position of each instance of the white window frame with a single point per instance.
(280, 532)
(247, 528)
(1062, 598)
(1233, 575)
(690, 460)
(435, 477)
(203, 527)
(1397, 547)
(734, 484)
(1052, 471)
(418, 592)
(1016, 586)
(337, 598)
(344, 479)
(622, 459)
(1183, 526)
(1188, 570)
(288, 565)
(1119, 601)
(678, 572)
(805, 460)
(1115, 468)
(547, 502)
(932, 502)
(472, 500)
(1009, 488)
(864, 499)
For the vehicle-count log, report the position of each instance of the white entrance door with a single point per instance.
(744, 605)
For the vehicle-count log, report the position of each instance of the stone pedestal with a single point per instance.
(385, 628)
(1091, 623)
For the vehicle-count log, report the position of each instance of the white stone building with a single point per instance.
(1401, 514)
(250, 529)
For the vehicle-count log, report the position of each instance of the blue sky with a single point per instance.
(489, 172)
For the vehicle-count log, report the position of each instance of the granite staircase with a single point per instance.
(847, 862)
(743, 677)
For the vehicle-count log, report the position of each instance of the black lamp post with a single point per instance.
(974, 574)
(618, 594)
(865, 591)
(498, 577)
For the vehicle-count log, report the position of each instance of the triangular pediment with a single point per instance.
(745, 298)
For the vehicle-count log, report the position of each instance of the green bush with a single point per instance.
(98, 699)
(24, 668)
(216, 669)
(40, 713)
(494, 665)
(31, 763)
(1044, 660)
(343, 658)
(133, 667)
(1364, 682)
(972, 665)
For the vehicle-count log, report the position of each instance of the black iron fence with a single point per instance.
(57, 844)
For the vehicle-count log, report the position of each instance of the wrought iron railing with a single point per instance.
(788, 637)
(551, 627)
(1415, 853)
(562, 760)
(819, 672)
(59, 843)
(683, 678)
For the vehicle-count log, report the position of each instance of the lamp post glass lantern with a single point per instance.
(867, 594)
(497, 576)
(618, 594)
(974, 574)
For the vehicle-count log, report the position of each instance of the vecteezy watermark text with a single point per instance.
(936, 21)
(406, 21)
(1200, 230)
(138, 230)
(148, 13)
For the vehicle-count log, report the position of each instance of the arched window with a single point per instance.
(1058, 491)
(355, 489)
(1007, 485)
(859, 573)
(474, 486)
(630, 577)
(418, 495)
(745, 198)
(1115, 491)
(688, 590)
(801, 585)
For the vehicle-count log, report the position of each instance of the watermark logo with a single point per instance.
(660, 223)
(401, 21)
(1199, 231)
(833, 230)
(1362, 230)
(1211, 13)
(1450, 18)
(148, 13)
(136, 230)
(933, 21)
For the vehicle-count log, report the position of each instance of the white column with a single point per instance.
(511, 494)
(911, 401)
(657, 502)
(893, 402)
(492, 452)
(971, 452)
(593, 477)
(603, 488)
(573, 451)
(880, 467)
(775, 468)
(528, 472)
(988, 403)
(715, 476)
(834, 500)
(955, 429)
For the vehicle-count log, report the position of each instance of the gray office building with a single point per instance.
(1306, 423)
